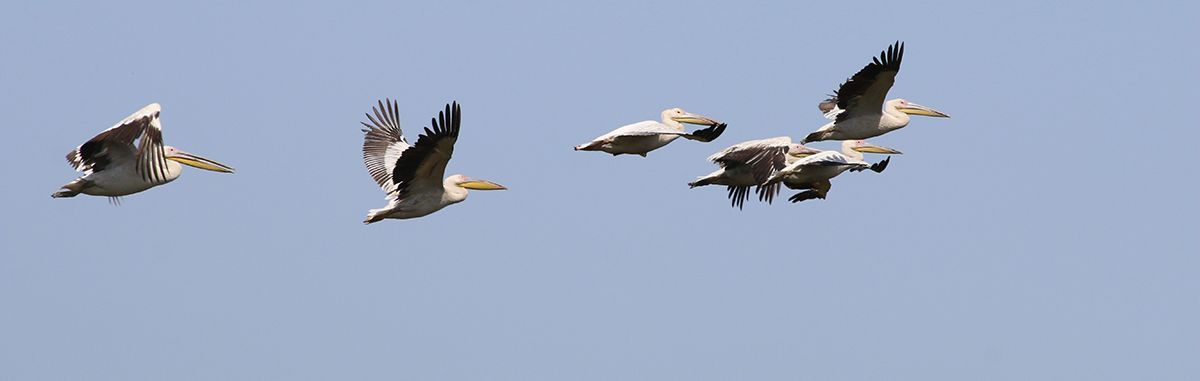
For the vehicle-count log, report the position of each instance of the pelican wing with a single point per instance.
(651, 128)
(877, 167)
(424, 164)
(738, 195)
(863, 93)
(116, 144)
(707, 134)
(383, 143)
(826, 158)
(764, 156)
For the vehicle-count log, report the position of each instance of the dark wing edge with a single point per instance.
(707, 134)
(380, 135)
(880, 72)
(91, 156)
(765, 165)
(738, 195)
(151, 162)
(429, 156)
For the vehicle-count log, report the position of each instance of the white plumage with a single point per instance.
(858, 109)
(411, 174)
(114, 166)
(813, 173)
(642, 137)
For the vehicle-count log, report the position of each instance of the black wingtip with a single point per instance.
(881, 165)
(709, 134)
(813, 137)
(805, 195)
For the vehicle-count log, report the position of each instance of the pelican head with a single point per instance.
(197, 161)
(469, 183)
(910, 108)
(798, 150)
(863, 146)
(678, 115)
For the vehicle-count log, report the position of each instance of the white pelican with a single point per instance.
(645, 136)
(814, 172)
(751, 163)
(411, 175)
(856, 106)
(112, 166)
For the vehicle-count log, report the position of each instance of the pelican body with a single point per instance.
(113, 166)
(645, 136)
(751, 163)
(411, 175)
(813, 173)
(858, 109)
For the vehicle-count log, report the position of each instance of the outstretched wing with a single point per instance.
(116, 144)
(863, 93)
(383, 143)
(651, 128)
(763, 156)
(423, 165)
(707, 134)
(877, 167)
(828, 158)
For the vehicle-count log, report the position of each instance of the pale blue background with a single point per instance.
(1046, 232)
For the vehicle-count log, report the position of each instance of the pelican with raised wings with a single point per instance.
(813, 172)
(113, 166)
(858, 109)
(645, 136)
(750, 164)
(411, 174)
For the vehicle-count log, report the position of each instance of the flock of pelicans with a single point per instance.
(411, 174)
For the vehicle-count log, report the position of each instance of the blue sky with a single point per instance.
(1045, 232)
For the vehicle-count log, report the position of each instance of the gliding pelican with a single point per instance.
(855, 106)
(112, 166)
(751, 163)
(645, 136)
(411, 175)
(814, 172)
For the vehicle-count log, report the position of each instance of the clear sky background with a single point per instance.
(1046, 231)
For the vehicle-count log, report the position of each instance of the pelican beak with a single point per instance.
(690, 118)
(199, 162)
(916, 109)
(802, 151)
(481, 185)
(871, 148)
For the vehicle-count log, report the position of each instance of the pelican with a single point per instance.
(645, 136)
(855, 106)
(112, 166)
(814, 172)
(751, 163)
(411, 175)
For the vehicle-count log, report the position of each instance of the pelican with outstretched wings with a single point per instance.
(114, 166)
(645, 136)
(858, 109)
(411, 174)
(750, 164)
(812, 173)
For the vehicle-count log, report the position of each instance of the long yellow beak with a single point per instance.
(916, 109)
(481, 185)
(690, 118)
(871, 148)
(199, 162)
